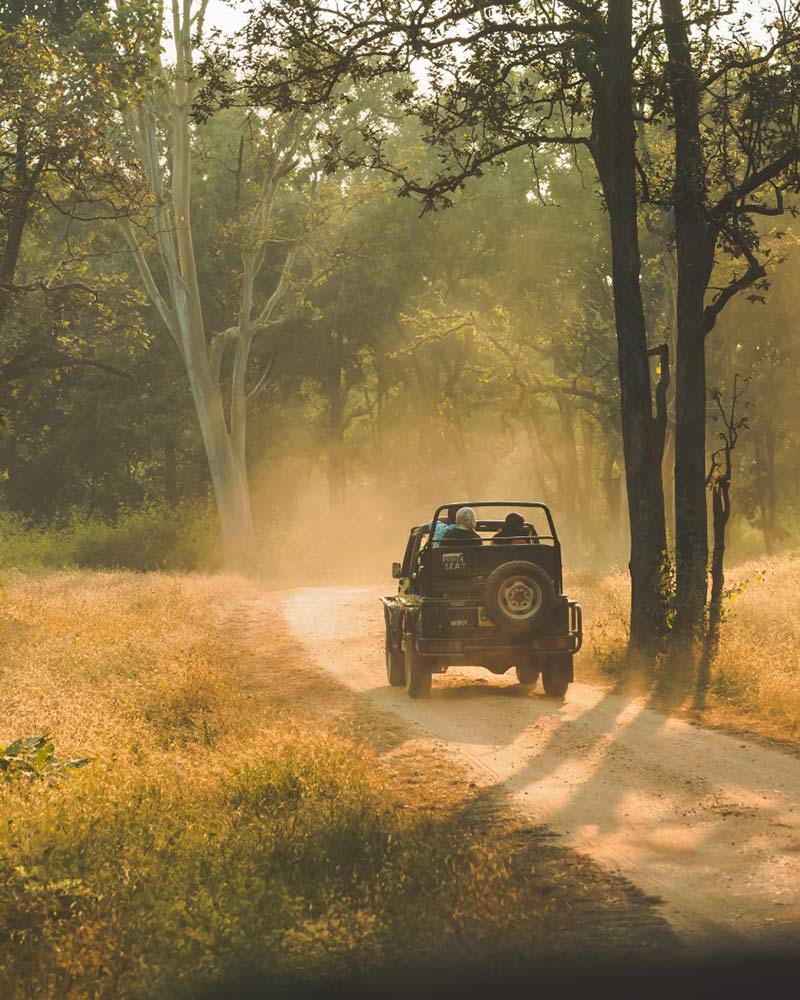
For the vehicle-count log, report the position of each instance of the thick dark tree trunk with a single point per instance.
(9, 260)
(614, 147)
(668, 473)
(691, 520)
(695, 241)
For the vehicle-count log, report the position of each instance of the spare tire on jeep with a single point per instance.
(519, 595)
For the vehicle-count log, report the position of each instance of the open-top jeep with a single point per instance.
(488, 601)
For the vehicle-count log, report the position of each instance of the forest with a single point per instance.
(277, 280)
(268, 285)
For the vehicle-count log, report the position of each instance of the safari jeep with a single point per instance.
(482, 603)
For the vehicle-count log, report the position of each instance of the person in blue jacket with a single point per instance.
(442, 526)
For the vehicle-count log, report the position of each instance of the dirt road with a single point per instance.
(709, 823)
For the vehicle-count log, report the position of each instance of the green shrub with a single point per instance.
(33, 757)
(27, 547)
(150, 538)
(296, 862)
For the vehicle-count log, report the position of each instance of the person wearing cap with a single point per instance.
(463, 531)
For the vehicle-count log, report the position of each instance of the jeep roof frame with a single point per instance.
(499, 503)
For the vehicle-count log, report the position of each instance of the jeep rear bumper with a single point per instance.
(566, 638)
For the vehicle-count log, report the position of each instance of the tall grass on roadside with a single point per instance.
(755, 674)
(208, 833)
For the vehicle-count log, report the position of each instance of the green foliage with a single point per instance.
(296, 864)
(463, 351)
(34, 757)
(154, 537)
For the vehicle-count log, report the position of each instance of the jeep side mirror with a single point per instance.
(397, 569)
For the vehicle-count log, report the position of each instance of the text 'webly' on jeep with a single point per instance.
(489, 601)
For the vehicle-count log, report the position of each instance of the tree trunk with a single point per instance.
(177, 296)
(721, 511)
(612, 489)
(694, 241)
(541, 489)
(229, 485)
(668, 473)
(588, 487)
(691, 521)
(570, 470)
(22, 192)
(765, 489)
(336, 404)
(170, 472)
(613, 143)
(719, 479)
(464, 456)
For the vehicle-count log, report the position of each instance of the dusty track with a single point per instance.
(709, 823)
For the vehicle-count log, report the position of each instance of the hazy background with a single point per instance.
(458, 355)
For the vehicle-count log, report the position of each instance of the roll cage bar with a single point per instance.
(528, 504)
(497, 503)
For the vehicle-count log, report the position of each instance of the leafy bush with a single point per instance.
(34, 757)
(27, 547)
(151, 538)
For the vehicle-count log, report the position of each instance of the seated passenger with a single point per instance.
(513, 532)
(463, 531)
(441, 526)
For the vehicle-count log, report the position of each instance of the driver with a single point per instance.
(513, 532)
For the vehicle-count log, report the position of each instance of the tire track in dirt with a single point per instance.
(708, 822)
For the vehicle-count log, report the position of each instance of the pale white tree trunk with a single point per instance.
(168, 173)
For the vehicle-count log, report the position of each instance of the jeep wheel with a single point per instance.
(395, 666)
(555, 678)
(519, 596)
(528, 675)
(417, 674)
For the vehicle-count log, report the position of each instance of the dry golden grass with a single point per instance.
(212, 831)
(754, 679)
(109, 661)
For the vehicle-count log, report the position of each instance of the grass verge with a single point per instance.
(216, 829)
(753, 682)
